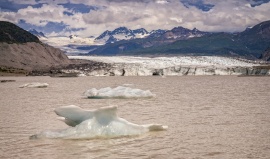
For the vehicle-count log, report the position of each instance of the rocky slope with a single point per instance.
(20, 50)
(31, 56)
(266, 55)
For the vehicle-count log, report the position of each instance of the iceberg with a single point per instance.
(97, 123)
(118, 92)
(35, 85)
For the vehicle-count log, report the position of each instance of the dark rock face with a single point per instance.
(266, 55)
(10, 33)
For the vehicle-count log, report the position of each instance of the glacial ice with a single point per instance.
(118, 92)
(102, 122)
(35, 85)
(172, 66)
(165, 62)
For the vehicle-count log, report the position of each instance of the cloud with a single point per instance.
(227, 15)
(92, 17)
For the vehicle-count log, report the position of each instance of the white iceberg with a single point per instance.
(118, 92)
(102, 122)
(35, 85)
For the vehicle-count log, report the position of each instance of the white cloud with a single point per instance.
(226, 15)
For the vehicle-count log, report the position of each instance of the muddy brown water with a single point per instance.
(208, 117)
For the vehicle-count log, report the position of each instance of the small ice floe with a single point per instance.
(128, 84)
(118, 92)
(81, 75)
(102, 122)
(35, 85)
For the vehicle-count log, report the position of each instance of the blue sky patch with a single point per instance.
(81, 8)
(8, 6)
(198, 4)
(255, 3)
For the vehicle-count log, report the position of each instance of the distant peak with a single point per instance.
(121, 30)
(36, 33)
(32, 30)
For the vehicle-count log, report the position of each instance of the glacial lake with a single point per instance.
(222, 117)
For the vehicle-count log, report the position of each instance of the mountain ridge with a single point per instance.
(250, 43)
(123, 33)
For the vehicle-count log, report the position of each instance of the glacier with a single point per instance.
(97, 123)
(118, 92)
(170, 66)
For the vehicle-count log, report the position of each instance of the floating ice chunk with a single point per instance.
(35, 85)
(102, 122)
(128, 84)
(118, 92)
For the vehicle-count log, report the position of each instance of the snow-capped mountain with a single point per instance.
(140, 33)
(121, 33)
(181, 33)
(36, 33)
(156, 33)
(74, 44)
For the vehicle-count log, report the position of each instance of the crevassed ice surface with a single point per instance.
(118, 92)
(164, 62)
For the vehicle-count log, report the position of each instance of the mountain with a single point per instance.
(22, 51)
(11, 33)
(36, 33)
(121, 33)
(266, 55)
(181, 33)
(146, 40)
(140, 33)
(256, 38)
(156, 33)
(250, 43)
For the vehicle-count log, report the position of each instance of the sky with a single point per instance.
(87, 18)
